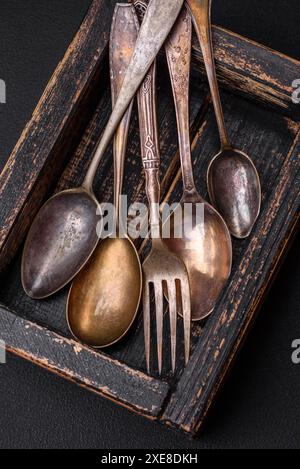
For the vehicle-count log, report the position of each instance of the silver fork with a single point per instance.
(162, 269)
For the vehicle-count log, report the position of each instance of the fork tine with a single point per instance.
(146, 309)
(173, 321)
(159, 305)
(186, 310)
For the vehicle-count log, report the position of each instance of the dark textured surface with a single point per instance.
(259, 407)
(34, 37)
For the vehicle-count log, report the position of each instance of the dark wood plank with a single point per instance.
(254, 71)
(224, 332)
(95, 371)
(54, 129)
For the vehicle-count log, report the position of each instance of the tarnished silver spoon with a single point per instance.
(205, 243)
(105, 296)
(63, 235)
(233, 181)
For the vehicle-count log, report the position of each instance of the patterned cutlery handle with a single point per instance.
(149, 137)
(150, 147)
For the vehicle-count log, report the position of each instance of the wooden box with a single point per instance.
(53, 153)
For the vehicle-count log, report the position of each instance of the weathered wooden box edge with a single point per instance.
(36, 163)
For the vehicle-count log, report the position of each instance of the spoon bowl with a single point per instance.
(200, 239)
(100, 310)
(61, 228)
(233, 180)
(105, 296)
(206, 250)
(234, 189)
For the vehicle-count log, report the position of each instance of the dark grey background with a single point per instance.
(260, 405)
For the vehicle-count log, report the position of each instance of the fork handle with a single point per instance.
(150, 147)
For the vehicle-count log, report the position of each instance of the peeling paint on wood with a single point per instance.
(77, 104)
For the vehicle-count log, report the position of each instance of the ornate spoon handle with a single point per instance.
(150, 147)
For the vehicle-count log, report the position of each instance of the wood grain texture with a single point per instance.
(53, 154)
(229, 324)
(252, 70)
(95, 371)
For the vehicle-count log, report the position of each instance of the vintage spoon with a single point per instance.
(63, 235)
(105, 296)
(233, 181)
(205, 243)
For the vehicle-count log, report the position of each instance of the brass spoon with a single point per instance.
(63, 235)
(105, 296)
(205, 246)
(233, 181)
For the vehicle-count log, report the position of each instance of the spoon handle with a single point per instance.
(150, 147)
(179, 49)
(201, 14)
(122, 43)
(159, 19)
